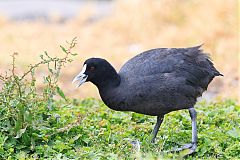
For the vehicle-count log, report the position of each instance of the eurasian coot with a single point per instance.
(154, 82)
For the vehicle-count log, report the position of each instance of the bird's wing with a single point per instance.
(165, 60)
(189, 63)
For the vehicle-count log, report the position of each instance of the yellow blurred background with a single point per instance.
(129, 28)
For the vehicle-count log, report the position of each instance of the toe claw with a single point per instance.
(153, 140)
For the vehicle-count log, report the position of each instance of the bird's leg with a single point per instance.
(156, 127)
(192, 146)
(193, 115)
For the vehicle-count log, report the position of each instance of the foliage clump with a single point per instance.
(27, 113)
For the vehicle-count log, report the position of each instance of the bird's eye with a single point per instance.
(92, 68)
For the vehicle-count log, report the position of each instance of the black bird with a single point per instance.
(154, 83)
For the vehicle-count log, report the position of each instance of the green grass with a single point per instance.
(96, 132)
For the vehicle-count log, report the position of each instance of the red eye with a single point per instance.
(92, 68)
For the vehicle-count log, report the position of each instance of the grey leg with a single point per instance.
(192, 146)
(193, 115)
(156, 127)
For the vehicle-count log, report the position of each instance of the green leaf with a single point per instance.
(70, 60)
(64, 50)
(41, 56)
(60, 92)
(50, 70)
(20, 132)
(74, 54)
(45, 52)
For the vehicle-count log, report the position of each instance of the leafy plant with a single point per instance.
(26, 113)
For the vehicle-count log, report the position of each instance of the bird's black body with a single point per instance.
(154, 82)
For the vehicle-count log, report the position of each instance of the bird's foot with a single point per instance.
(188, 148)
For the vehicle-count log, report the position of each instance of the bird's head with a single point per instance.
(95, 70)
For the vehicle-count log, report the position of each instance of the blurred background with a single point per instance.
(118, 30)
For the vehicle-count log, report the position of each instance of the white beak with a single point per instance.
(81, 77)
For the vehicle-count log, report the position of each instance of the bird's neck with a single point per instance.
(110, 95)
(109, 80)
(108, 87)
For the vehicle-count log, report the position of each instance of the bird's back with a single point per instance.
(189, 63)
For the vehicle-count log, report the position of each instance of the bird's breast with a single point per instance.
(114, 100)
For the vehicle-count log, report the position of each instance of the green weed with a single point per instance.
(27, 114)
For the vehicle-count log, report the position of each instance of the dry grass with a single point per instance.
(134, 26)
